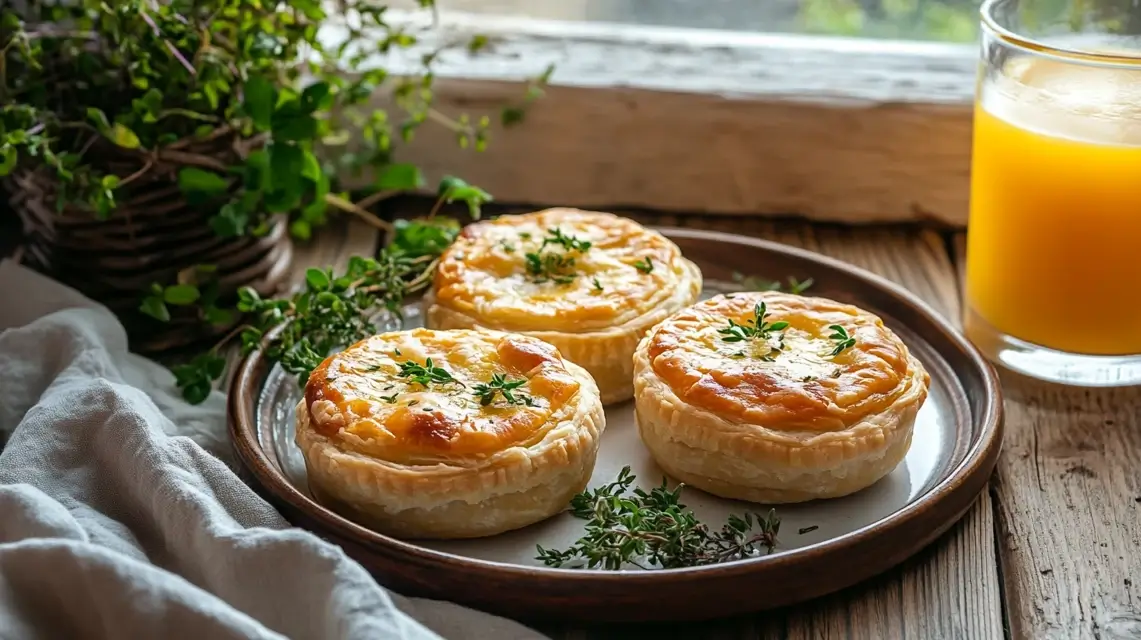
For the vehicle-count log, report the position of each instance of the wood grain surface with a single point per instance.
(1067, 494)
(847, 130)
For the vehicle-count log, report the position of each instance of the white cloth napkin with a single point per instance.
(120, 517)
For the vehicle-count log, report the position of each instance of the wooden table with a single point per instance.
(1052, 550)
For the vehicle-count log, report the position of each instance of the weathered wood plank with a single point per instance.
(950, 590)
(333, 245)
(1068, 500)
(852, 130)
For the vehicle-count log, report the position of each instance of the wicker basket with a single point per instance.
(153, 235)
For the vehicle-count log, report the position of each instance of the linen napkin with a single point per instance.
(121, 517)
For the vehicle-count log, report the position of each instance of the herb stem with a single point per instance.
(349, 207)
(379, 196)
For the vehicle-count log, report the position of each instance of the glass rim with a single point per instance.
(1033, 45)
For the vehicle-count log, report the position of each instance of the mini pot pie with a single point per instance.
(776, 398)
(448, 434)
(589, 283)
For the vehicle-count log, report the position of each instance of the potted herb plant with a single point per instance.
(163, 154)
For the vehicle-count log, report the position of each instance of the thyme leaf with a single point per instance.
(653, 529)
(755, 327)
(840, 336)
(426, 374)
(500, 385)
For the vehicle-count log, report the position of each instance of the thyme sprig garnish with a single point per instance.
(755, 283)
(555, 236)
(755, 327)
(501, 385)
(840, 336)
(553, 265)
(654, 529)
(426, 374)
(333, 310)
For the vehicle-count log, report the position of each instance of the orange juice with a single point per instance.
(1054, 242)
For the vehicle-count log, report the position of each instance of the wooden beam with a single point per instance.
(831, 129)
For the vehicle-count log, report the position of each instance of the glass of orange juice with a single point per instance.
(1053, 273)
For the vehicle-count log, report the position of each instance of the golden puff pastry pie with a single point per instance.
(776, 398)
(589, 283)
(448, 434)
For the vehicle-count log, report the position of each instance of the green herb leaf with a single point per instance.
(316, 96)
(260, 100)
(629, 527)
(201, 184)
(181, 294)
(154, 307)
(195, 378)
(429, 237)
(477, 43)
(754, 328)
(230, 221)
(426, 374)
(500, 384)
(399, 177)
(452, 188)
(840, 336)
(123, 136)
(317, 279)
(8, 158)
(799, 287)
(644, 265)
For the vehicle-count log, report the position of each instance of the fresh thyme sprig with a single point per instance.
(555, 266)
(655, 530)
(644, 265)
(332, 311)
(754, 283)
(555, 236)
(426, 374)
(756, 327)
(840, 336)
(500, 385)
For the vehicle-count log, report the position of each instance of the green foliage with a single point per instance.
(653, 529)
(557, 263)
(840, 336)
(427, 236)
(500, 384)
(89, 87)
(100, 93)
(757, 283)
(426, 374)
(755, 327)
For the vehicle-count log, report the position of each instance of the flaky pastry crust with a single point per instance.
(435, 459)
(630, 279)
(776, 419)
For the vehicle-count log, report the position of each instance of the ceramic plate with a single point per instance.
(823, 545)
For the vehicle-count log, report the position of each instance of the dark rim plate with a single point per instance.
(783, 578)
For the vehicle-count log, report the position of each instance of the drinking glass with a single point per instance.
(1053, 273)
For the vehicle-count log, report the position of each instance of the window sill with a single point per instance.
(671, 119)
